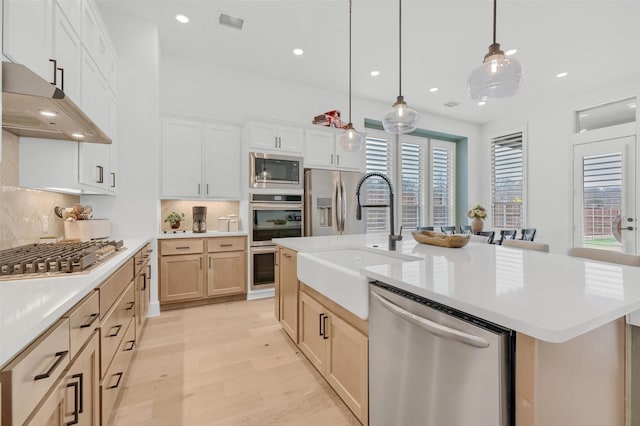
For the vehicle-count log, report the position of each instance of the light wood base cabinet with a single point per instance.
(338, 350)
(288, 290)
(210, 270)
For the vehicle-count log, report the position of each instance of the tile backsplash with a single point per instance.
(22, 210)
(215, 209)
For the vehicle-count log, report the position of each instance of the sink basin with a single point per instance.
(336, 274)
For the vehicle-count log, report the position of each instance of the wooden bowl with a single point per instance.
(439, 239)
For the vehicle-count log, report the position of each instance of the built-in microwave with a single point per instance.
(275, 171)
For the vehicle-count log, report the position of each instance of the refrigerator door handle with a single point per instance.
(343, 210)
(338, 206)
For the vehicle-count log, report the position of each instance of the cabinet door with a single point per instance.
(72, 9)
(93, 36)
(181, 158)
(346, 369)
(319, 149)
(346, 160)
(289, 293)
(222, 158)
(113, 149)
(82, 402)
(181, 277)
(26, 34)
(290, 139)
(276, 279)
(263, 136)
(226, 273)
(312, 323)
(51, 412)
(66, 50)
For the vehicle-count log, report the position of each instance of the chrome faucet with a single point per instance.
(392, 237)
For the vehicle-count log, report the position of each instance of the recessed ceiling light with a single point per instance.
(583, 130)
(511, 52)
(374, 73)
(183, 19)
(481, 103)
(562, 74)
(77, 135)
(298, 52)
(433, 89)
(631, 105)
(47, 113)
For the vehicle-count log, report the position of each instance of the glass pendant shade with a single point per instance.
(498, 77)
(401, 119)
(350, 140)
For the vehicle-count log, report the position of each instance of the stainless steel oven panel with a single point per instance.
(261, 251)
(256, 181)
(272, 207)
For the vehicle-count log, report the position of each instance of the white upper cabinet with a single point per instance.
(93, 37)
(222, 147)
(200, 160)
(323, 152)
(26, 35)
(113, 129)
(72, 9)
(66, 49)
(275, 137)
(181, 158)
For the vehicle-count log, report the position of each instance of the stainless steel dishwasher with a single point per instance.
(431, 365)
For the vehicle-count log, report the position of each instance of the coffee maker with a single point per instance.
(199, 219)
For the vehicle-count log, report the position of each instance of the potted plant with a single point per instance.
(174, 219)
(477, 213)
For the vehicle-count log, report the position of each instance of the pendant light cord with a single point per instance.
(400, 47)
(495, 2)
(350, 2)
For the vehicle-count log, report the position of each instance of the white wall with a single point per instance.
(135, 210)
(549, 127)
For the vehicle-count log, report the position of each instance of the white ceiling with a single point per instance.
(442, 42)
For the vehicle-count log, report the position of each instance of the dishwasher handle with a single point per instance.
(433, 327)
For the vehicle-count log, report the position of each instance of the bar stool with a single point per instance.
(527, 245)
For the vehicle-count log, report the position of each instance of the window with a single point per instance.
(375, 190)
(426, 170)
(507, 181)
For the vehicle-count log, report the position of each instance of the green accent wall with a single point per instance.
(462, 164)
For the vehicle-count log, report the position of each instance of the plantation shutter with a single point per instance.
(412, 180)
(507, 181)
(443, 183)
(375, 190)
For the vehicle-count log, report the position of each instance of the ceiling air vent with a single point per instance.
(231, 21)
(452, 104)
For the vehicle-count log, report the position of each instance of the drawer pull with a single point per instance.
(130, 348)
(119, 327)
(76, 403)
(60, 356)
(80, 378)
(183, 247)
(118, 382)
(131, 305)
(144, 281)
(92, 319)
(226, 245)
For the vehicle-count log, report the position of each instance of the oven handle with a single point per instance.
(275, 206)
(263, 250)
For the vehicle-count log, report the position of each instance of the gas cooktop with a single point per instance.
(54, 259)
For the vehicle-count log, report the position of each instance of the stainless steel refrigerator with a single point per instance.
(330, 203)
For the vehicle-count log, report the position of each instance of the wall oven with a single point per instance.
(275, 171)
(271, 216)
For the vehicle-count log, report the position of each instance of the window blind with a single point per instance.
(412, 181)
(507, 181)
(443, 185)
(378, 156)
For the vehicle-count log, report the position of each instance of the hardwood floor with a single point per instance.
(225, 364)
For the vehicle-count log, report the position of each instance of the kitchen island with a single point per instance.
(568, 313)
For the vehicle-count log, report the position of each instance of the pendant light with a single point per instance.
(401, 119)
(498, 76)
(350, 140)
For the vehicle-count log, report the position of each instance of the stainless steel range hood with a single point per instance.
(34, 107)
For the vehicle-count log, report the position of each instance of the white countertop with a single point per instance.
(29, 306)
(550, 297)
(208, 234)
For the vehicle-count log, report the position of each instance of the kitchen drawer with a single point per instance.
(114, 326)
(111, 289)
(83, 319)
(226, 244)
(115, 377)
(28, 378)
(141, 258)
(181, 246)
